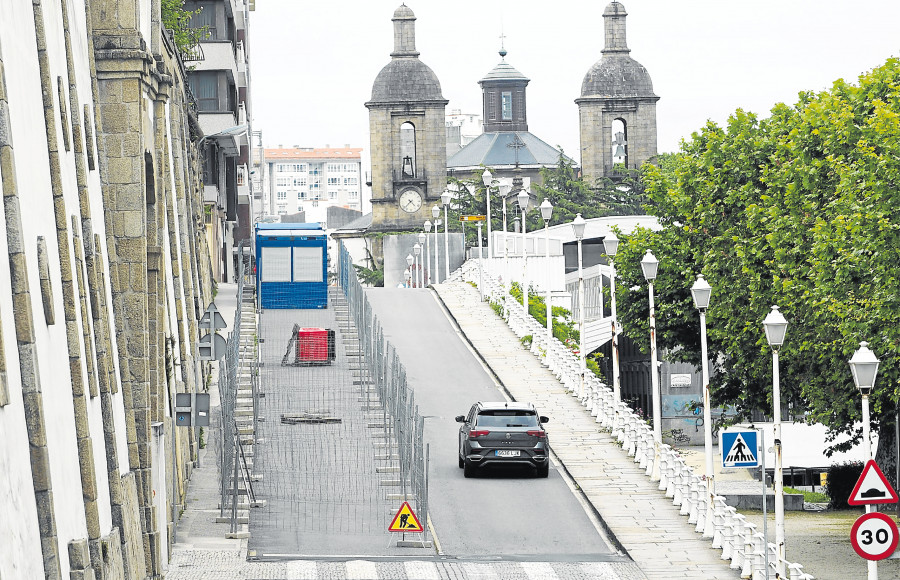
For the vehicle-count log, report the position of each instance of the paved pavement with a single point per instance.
(644, 523)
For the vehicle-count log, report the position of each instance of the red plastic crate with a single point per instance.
(312, 345)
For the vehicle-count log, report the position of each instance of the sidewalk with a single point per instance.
(638, 515)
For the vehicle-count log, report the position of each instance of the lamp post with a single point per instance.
(578, 225)
(417, 249)
(435, 213)
(701, 291)
(409, 263)
(427, 254)
(546, 213)
(488, 180)
(611, 246)
(423, 239)
(445, 199)
(864, 366)
(650, 265)
(775, 325)
(522, 197)
(480, 278)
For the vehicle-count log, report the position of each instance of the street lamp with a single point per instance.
(488, 180)
(611, 246)
(701, 291)
(435, 213)
(546, 213)
(445, 199)
(650, 265)
(409, 263)
(417, 249)
(424, 240)
(864, 366)
(522, 197)
(775, 325)
(578, 225)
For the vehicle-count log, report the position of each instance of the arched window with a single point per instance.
(619, 142)
(407, 150)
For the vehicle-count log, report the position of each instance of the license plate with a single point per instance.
(507, 453)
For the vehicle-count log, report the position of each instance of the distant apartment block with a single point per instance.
(310, 180)
(462, 129)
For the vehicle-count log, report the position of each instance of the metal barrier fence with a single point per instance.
(236, 421)
(385, 376)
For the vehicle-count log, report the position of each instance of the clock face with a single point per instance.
(410, 201)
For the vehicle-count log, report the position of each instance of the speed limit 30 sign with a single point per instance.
(874, 536)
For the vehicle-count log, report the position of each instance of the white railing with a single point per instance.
(738, 539)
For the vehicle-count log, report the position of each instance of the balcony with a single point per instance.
(241, 65)
(219, 55)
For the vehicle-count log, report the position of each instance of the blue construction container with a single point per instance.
(291, 265)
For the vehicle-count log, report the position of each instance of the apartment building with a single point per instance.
(219, 78)
(310, 180)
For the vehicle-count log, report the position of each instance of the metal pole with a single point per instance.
(427, 273)
(487, 196)
(761, 453)
(437, 266)
(480, 279)
(867, 450)
(779, 470)
(709, 528)
(549, 281)
(416, 271)
(581, 355)
(654, 375)
(617, 385)
(524, 266)
(446, 244)
(506, 259)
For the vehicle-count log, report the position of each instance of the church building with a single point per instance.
(617, 107)
(408, 135)
(506, 143)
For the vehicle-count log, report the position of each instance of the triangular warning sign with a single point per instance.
(872, 487)
(405, 520)
(740, 453)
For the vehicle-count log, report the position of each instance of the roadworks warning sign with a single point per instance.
(405, 520)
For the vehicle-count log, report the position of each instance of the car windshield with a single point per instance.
(507, 418)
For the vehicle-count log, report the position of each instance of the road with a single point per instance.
(498, 515)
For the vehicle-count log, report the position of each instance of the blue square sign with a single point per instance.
(739, 448)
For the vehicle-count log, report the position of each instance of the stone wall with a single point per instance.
(596, 117)
(106, 266)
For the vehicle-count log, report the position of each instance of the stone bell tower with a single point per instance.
(408, 134)
(617, 107)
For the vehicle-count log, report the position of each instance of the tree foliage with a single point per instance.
(798, 210)
(177, 19)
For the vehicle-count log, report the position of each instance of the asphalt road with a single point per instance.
(499, 515)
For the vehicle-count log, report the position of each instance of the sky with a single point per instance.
(312, 64)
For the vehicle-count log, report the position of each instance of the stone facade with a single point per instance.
(406, 93)
(617, 90)
(98, 324)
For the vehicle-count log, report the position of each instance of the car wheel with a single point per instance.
(468, 469)
(543, 470)
(462, 462)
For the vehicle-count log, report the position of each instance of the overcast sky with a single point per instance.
(313, 63)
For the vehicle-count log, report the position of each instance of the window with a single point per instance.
(334, 181)
(354, 194)
(205, 17)
(407, 150)
(506, 105)
(282, 195)
(299, 182)
(205, 86)
(301, 195)
(491, 105)
(619, 142)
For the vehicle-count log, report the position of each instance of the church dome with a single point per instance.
(617, 75)
(406, 79)
(403, 11)
(504, 72)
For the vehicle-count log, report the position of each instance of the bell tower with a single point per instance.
(407, 131)
(617, 107)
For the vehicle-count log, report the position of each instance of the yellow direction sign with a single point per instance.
(405, 520)
(472, 218)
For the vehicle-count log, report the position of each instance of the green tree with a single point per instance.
(797, 210)
(176, 19)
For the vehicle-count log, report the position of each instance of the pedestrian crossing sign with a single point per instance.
(405, 520)
(739, 448)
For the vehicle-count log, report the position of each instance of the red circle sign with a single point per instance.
(874, 536)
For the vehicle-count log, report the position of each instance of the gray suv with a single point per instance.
(503, 434)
